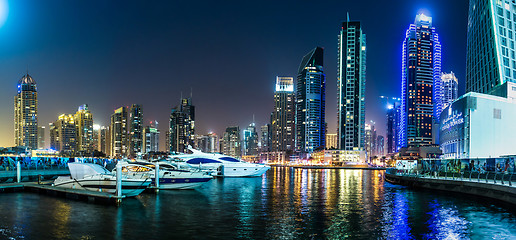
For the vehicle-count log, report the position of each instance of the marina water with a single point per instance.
(285, 203)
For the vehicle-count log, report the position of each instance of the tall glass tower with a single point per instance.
(421, 102)
(351, 78)
(84, 123)
(450, 88)
(490, 57)
(310, 103)
(283, 116)
(135, 130)
(26, 113)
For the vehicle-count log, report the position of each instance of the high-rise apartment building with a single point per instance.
(84, 122)
(189, 110)
(370, 141)
(26, 113)
(208, 143)
(231, 142)
(283, 116)
(135, 130)
(393, 116)
(380, 146)
(181, 132)
(351, 79)
(41, 137)
(250, 140)
(177, 139)
(421, 84)
(310, 103)
(332, 141)
(490, 56)
(63, 135)
(450, 88)
(266, 138)
(151, 138)
(119, 138)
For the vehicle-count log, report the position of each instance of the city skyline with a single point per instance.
(94, 84)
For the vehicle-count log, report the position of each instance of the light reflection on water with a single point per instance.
(284, 204)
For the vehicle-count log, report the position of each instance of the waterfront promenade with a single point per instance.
(495, 185)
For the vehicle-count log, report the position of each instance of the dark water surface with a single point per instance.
(285, 203)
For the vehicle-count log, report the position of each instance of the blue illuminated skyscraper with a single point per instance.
(310, 103)
(420, 84)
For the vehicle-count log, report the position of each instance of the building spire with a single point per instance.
(348, 16)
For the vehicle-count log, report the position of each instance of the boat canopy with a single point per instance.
(201, 160)
(229, 159)
(79, 170)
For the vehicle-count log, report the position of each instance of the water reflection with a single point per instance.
(286, 203)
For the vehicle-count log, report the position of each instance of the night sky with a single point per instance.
(109, 54)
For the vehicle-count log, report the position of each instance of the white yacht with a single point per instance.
(93, 177)
(218, 164)
(169, 176)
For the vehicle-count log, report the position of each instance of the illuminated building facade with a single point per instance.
(208, 143)
(479, 125)
(266, 138)
(63, 135)
(250, 140)
(135, 130)
(119, 133)
(421, 84)
(331, 141)
(370, 141)
(182, 127)
(393, 119)
(490, 56)
(380, 146)
(310, 103)
(41, 137)
(351, 79)
(283, 116)
(84, 123)
(450, 88)
(26, 113)
(151, 138)
(231, 142)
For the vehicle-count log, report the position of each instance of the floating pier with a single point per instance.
(76, 194)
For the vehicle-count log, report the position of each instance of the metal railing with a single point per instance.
(491, 177)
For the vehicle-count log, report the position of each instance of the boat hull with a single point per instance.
(130, 187)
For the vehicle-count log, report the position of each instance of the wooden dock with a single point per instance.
(76, 194)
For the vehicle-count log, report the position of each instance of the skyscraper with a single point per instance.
(118, 133)
(135, 130)
(84, 123)
(380, 143)
(176, 132)
(283, 116)
(151, 138)
(393, 115)
(421, 83)
(490, 56)
(370, 141)
(231, 142)
(351, 78)
(250, 141)
(189, 110)
(266, 138)
(41, 137)
(63, 135)
(450, 88)
(26, 113)
(182, 126)
(331, 141)
(310, 103)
